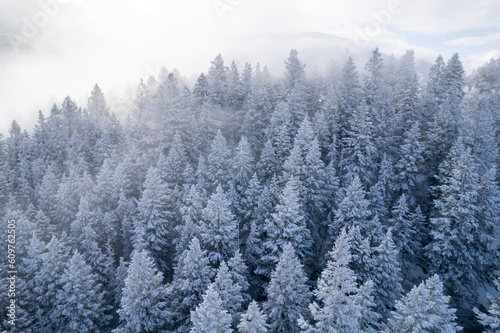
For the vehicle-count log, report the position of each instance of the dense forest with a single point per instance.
(358, 200)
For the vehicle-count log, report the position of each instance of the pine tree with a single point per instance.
(68, 201)
(235, 93)
(92, 253)
(488, 204)
(200, 90)
(424, 309)
(229, 290)
(48, 194)
(452, 252)
(192, 276)
(219, 229)
(253, 320)
(210, 316)
(27, 309)
(353, 210)
(381, 192)
(287, 293)
(296, 89)
(378, 98)
(454, 84)
(156, 214)
(172, 167)
(47, 282)
(408, 168)
(143, 307)
(306, 165)
(243, 165)
(359, 148)
(338, 295)
(478, 130)
(349, 96)
(250, 203)
(491, 319)
(434, 90)
(239, 272)
(142, 99)
(79, 303)
(287, 225)
(194, 202)
(219, 163)
(321, 129)
(405, 233)
(120, 276)
(362, 262)
(278, 143)
(387, 275)
(406, 95)
(96, 106)
(217, 81)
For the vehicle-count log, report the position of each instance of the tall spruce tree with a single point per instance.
(219, 229)
(424, 309)
(287, 293)
(143, 307)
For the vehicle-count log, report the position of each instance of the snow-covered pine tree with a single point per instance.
(452, 252)
(287, 225)
(119, 281)
(192, 276)
(219, 163)
(405, 233)
(339, 303)
(353, 210)
(157, 217)
(408, 167)
(243, 166)
(287, 293)
(359, 148)
(200, 89)
(258, 108)
(349, 96)
(172, 167)
(229, 290)
(47, 282)
(306, 165)
(381, 192)
(279, 142)
(491, 319)
(217, 81)
(378, 98)
(296, 89)
(143, 307)
(234, 95)
(191, 211)
(80, 302)
(47, 194)
(219, 229)
(250, 203)
(406, 95)
(210, 316)
(387, 275)
(253, 320)
(239, 272)
(424, 309)
(488, 213)
(362, 261)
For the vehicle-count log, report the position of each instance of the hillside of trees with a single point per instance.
(364, 199)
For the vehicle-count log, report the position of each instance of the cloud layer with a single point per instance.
(53, 48)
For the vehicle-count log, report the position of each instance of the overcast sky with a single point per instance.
(53, 48)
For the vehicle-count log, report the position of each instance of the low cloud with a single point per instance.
(53, 48)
